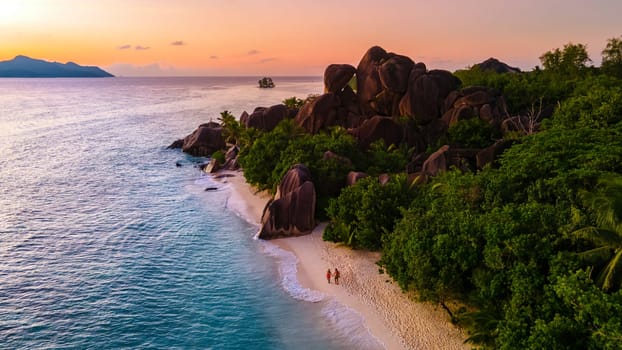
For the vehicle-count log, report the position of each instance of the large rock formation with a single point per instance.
(424, 100)
(266, 119)
(337, 76)
(382, 79)
(394, 76)
(204, 141)
(319, 113)
(376, 128)
(231, 158)
(333, 108)
(292, 211)
(388, 85)
(477, 101)
(368, 78)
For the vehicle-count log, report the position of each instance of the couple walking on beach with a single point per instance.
(335, 275)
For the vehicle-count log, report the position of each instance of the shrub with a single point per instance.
(472, 133)
(364, 214)
(264, 153)
(219, 156)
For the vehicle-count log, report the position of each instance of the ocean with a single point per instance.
(106, 244)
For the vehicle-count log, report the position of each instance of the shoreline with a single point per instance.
(390, 315)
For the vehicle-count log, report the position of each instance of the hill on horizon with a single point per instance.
(26, 67)
(494, 65)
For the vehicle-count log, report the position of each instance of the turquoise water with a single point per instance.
(106, 244)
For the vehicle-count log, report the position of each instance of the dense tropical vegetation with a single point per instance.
(531, 249)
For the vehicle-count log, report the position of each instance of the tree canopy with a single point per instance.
(570, 60)
(612, 57)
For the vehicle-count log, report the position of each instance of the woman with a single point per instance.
(328, 274)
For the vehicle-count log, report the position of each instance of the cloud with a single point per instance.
(124, 47)
(150, 70)
(254, 52)
(160, 70)
(178, 43)
(214, 57)
(269, 59)
(141, 48)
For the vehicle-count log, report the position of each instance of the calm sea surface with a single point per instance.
(106, 244)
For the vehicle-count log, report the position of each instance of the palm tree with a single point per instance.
(482, 326)
(232, 129)
(606, 204)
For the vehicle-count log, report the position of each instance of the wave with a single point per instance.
(287, 263)
(350, 324)
(210, 184)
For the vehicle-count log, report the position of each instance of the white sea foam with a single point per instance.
(237, 205)
(346, 321)
(350, 324)
(208, 181)
(287, 262)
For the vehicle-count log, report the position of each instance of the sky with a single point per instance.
(297, 37)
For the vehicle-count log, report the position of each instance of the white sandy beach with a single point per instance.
(391, 316)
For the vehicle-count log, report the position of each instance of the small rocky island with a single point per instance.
(26, 67)
(266, 82)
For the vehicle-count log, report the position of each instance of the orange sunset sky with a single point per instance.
(289, 37)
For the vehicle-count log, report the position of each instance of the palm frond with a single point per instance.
(609, 278)
(597, 256)
(599, 236)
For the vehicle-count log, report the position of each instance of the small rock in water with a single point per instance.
(211, 188)
(178, 164)
(223, 176)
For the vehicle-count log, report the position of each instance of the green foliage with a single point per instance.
(435, 246)
(474, 76)
(382, 159)
(524, 90)
(472, 133)
(364, 214)
(294, 102)
(310, 149)
(219, 156)
(500, 239)
(571, 60)
(521, 90)
(352, 83)
(605, 203)
(612, 57)
(297, 103)
(268, 158)
(232, 129)
(261, 157)
(585, 317)
(595, 103)
(551, 166)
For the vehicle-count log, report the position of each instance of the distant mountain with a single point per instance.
(493, 64)
(26, 67)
